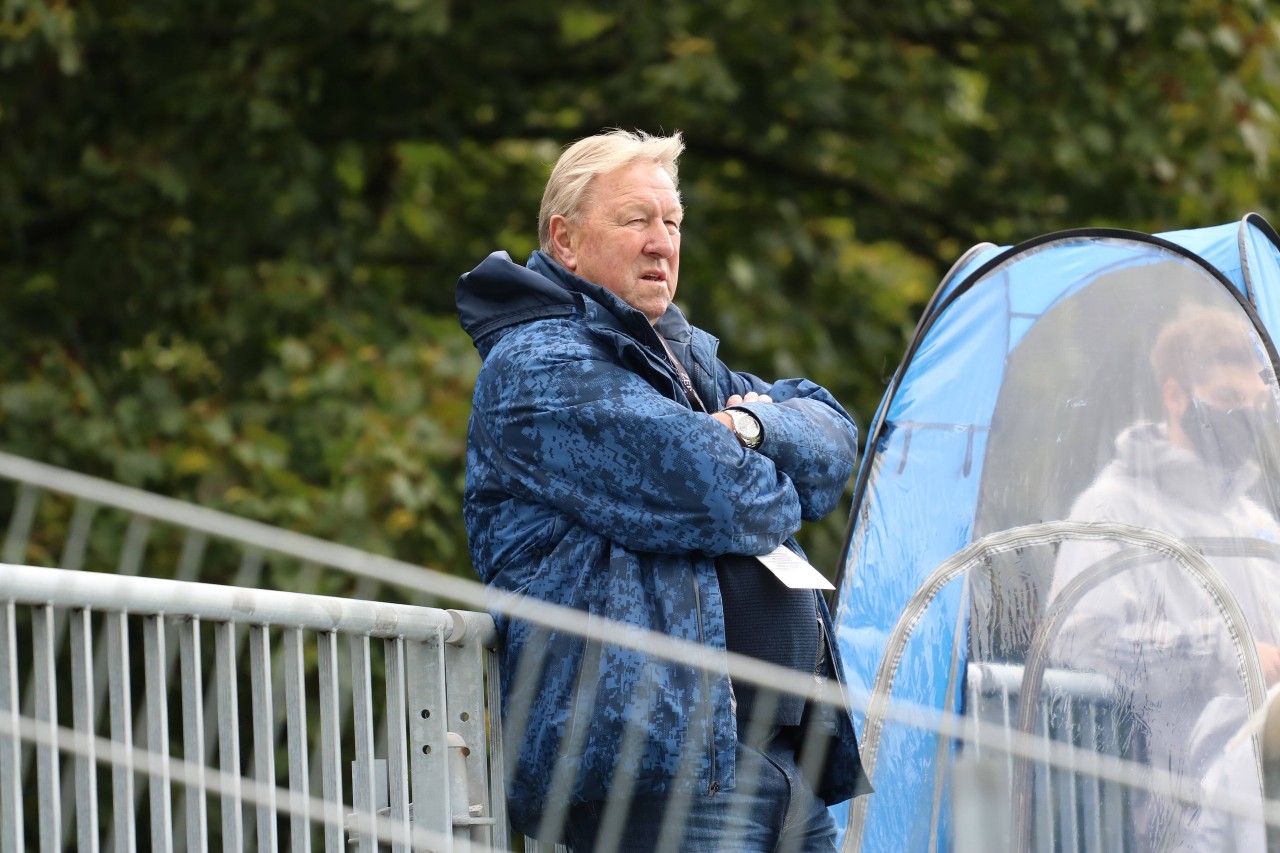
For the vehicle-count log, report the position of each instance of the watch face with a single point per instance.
(746, 426)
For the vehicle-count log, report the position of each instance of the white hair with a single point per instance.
(568, 189)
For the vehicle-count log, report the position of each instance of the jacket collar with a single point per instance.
(499, 294)
(1144, 451)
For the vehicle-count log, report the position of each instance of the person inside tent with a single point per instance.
(1147, 624)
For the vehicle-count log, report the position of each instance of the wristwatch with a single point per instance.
(746, 427)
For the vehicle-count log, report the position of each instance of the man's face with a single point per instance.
(628, 240)
(1233, 386)
(1222, 416)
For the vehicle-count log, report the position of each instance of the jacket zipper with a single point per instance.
(822, 638)
(714, 787)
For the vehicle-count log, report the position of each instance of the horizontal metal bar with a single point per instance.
(420, 580)
(325, 614)
(1006, 679)
(211, 521)
(150, 596)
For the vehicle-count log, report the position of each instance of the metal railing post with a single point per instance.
(397, 745)
(120, 699)
(157, 713)
(192, 676)
(86, 764)
(228, 715)
(429, 734)
(19, 533)
(330, 739)
(364, 785)
(11, 828)
(46, 711)
(980, 804)
(295, 698)
(464, 689)
(264, 747)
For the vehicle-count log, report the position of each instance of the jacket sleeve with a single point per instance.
(809, 437)
(557, 421)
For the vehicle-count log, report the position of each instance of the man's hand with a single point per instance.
(737, 400)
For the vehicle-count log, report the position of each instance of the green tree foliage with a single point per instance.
(229, 232)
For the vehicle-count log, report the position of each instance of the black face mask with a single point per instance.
(1227, 438)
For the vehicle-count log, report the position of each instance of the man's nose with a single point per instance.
(661, 243)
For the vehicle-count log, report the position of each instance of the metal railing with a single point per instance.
(417, 673)
(1069, 808)
(178, 539)
(65, 519)
(314, 677)
(135, 534)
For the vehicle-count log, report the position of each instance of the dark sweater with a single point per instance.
(767, 620)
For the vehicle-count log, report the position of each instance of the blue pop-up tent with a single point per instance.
(998, 566)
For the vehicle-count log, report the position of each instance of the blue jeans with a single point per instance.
(771, 810)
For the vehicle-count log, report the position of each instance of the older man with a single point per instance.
(614, 465)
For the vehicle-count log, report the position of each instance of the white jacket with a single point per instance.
(1157, 485)
(1151, 628)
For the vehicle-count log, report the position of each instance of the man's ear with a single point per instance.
(1175, 399)
(564, 242)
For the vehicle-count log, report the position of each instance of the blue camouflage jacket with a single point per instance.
(593, 483)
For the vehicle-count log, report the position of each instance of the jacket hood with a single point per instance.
(1144, 451)
(499, 294)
